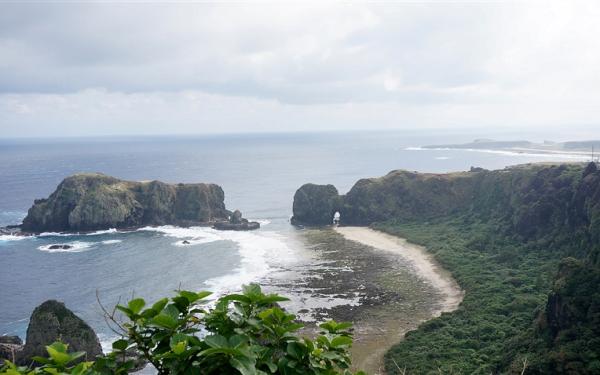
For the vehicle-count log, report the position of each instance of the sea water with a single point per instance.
(259, 174)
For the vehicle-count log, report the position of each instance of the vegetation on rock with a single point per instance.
(92, 201)
(315, 204)
(502, 234)
(52, 321)
(244, 334)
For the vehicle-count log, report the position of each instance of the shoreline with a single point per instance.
(368, 355)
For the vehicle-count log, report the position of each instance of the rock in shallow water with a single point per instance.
(59, 247)
(236, 222)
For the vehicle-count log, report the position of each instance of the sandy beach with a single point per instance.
(368, 354)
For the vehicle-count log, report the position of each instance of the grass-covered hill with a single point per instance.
(524, 243)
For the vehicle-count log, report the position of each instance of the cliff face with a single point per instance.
(315, 204)
(96, 201)
(534, 201)
(568, 328)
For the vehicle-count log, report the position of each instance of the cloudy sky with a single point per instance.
(105, 68)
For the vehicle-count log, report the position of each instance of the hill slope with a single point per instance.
(502, 234)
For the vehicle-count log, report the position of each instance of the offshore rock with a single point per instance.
(236, 217)
(244, 225)
(60, 246)
(93, 201)
(52, 321)
(236, 222)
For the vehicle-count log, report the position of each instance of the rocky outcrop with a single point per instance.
(315, 204)
(86, 202)
(534, 200)
(10, 346)
(52, 321)
(236, 222)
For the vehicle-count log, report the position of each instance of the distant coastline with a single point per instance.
(579, 150)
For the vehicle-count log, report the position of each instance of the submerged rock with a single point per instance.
(93, 201)
(57, 247)
(52, 321)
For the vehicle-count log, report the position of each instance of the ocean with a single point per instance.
(259, 174)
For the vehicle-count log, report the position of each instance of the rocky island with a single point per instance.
(94, 201)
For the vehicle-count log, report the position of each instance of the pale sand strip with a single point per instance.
(425, 266)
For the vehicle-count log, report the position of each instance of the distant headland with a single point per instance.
(524, 146)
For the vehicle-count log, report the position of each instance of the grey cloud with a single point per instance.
(112, 68)
(149, 47)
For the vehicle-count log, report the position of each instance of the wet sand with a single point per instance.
(376, 335)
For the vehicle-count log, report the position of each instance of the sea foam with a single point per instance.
(76, 247)
(12, 237)
(256, 249)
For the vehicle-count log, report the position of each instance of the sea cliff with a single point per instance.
(524, 244)
(93, 201)
(532, 200)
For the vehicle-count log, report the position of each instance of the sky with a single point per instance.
(145, 68)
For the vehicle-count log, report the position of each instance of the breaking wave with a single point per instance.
(256, 250)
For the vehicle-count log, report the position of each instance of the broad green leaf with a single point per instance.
(179, 347)
(216, 341)
(296, 350)
(120, 344)
(245, 365)
(203, 294)
(160, 304)
(136, 305)
(272, 298)
(165, 321)
(41, 360)
(59, 356)
(237, 340)
(125, 310)
(252, 290)
(235, 297)
(340, 341)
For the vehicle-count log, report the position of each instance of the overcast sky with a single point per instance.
(69, 69)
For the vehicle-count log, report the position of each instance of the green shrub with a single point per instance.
(244, 334)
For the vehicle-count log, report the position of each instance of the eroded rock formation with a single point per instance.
(95, 201)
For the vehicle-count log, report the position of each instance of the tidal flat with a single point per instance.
(383, 293)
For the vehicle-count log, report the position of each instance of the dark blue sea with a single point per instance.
(259, 174)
